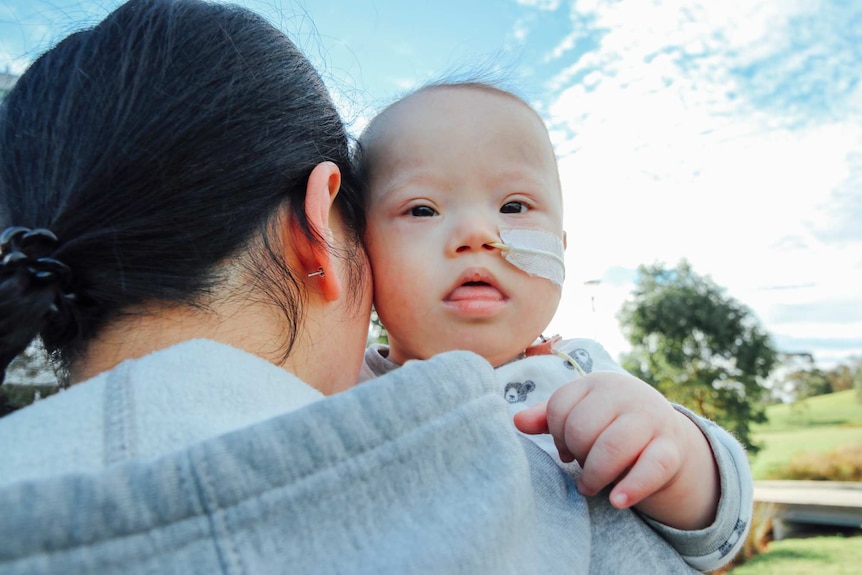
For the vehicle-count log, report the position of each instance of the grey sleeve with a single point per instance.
(709, 548)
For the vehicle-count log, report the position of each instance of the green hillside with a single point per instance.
(817, 424)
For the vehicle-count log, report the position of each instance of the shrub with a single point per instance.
(14, 397)
(841, 464)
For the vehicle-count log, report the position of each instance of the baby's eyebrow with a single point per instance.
(530, 179)
(407, 184)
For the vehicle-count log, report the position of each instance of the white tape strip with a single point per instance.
(535, 252)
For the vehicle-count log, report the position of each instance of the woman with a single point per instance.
(182, 229)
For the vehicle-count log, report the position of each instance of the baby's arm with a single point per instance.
(710, 548)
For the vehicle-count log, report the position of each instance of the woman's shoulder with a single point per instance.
(147, 407)
(59, 434)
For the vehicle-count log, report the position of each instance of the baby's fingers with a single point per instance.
(657, 465)
(615, 449)
(533, 420)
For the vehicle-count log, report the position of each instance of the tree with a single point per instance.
(794, 374)
(807, 383)
(28, 377)
(31, 367)
(840, 378)
(857, 381)
(15, 396)
(376, 331)
(698, 346)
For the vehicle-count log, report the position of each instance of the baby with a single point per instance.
(465, 238)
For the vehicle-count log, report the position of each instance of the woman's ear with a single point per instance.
(316, 259)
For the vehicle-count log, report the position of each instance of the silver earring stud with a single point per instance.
(319, 272)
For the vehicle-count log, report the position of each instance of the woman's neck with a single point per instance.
(156, 327)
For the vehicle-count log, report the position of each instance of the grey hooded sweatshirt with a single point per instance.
(243, 471)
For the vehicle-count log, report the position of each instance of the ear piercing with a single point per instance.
(318, 273)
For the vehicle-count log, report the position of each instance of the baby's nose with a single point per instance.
(475, 234)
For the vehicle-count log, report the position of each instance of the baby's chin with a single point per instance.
(504, 350)
(495, 355)
(497, 348)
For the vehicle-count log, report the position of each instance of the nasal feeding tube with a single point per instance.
(535, 252)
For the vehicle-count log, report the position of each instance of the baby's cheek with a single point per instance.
(541, 303)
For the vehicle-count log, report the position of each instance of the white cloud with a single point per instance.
(521, 31)
(540, 4)
(563, 47)
(674, 145)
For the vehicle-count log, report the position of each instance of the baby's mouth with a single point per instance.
(475, 291)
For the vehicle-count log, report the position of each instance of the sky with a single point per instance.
(726, 133)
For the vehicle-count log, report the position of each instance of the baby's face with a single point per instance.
(450, 168)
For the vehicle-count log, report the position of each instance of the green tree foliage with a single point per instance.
(803, 379)
(13, 397)
(809, 382)
(840, 378)
(376, 331)
(699, 347)
(28, 378)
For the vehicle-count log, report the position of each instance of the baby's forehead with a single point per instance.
(442, 133)
(428, 113)
(428, 101)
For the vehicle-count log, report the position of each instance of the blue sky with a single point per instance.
(728, 133)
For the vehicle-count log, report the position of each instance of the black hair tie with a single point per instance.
(21, 248)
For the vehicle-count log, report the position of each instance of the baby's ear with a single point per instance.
(565, 245)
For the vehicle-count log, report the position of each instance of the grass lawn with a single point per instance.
(820, 555)
(817, 424)
(840, 408)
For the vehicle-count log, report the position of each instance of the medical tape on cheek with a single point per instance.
(535, 252)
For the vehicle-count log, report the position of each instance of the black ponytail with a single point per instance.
(29, 276)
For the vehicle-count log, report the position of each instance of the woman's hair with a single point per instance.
(155, 146)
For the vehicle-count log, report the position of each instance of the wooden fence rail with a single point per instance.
(834, 503)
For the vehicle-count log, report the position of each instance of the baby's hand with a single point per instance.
(619, 429)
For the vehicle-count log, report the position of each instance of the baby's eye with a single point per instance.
(514, 208)
(423, 212)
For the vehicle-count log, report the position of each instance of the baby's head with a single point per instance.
(448, 168)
